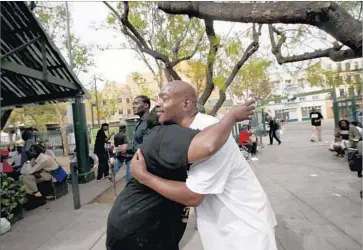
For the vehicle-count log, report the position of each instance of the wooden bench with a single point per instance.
(55, 189)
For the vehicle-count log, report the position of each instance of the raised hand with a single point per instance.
(244, 111)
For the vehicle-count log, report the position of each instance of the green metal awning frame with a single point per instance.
(33, 71)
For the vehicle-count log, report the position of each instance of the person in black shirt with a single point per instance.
(315, 118)
(141, 107)
(119, 139)
(142, 218)
(100, 151)
(274, 126)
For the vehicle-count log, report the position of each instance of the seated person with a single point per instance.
(15, 162)
(250, 142)
(355, 135)
(45, 149)
(38, 169)
(341, 138)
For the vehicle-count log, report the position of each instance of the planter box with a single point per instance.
(18, 215)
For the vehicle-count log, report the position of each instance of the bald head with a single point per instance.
(181, 89)
(177, 102)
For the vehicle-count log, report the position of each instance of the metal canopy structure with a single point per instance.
(33, 71)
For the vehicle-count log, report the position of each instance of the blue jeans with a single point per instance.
(118, 166)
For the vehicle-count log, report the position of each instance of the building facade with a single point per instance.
(298, 108)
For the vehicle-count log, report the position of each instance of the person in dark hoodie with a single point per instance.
(274, 126)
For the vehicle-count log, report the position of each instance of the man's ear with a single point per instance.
(187, 103)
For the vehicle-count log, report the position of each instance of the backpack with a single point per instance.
(354, 161)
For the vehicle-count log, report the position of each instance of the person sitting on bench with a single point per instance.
(246, 141)
(38, 169)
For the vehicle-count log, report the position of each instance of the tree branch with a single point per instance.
(127, 27)
(214, 44)
(334, 53)
(175, 62)
(327, 16)
(177, 44)
(251, 49)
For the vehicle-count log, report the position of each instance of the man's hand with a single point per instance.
(138, 167)
(244, 111)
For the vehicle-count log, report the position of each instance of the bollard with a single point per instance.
(75, 186)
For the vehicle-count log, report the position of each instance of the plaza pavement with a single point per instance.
(315, 198)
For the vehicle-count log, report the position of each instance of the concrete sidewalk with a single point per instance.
(315, 198)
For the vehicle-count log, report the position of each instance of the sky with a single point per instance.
(116, 64)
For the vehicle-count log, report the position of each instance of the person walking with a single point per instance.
(315, 118)
(100, 151)
(119, 139)
(274, 127)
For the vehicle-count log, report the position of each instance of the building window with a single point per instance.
(341, 92)
(315, 97)
(357, 79)
(120, 111)
(356, 66)
(104, 102)
(129, 111)
(282, 114)
(339, 66)
(349, 79)
(347, 66)
(302, 98)
(127, 100)
(119, 100)
(329, 66)
(287, 81)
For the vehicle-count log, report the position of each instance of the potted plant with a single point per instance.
(12, 197)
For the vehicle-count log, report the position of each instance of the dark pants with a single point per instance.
(272, 134)
(103, 170)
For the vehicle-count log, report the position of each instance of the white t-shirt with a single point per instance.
(236, 213)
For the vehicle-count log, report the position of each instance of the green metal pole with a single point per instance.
(130, 128)
(354, 107)
(81, 137)
(335, 107)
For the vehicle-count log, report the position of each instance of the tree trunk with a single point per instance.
(218, 105)
(213, 48)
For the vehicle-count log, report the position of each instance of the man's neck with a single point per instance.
(144, 115)
(188, 120)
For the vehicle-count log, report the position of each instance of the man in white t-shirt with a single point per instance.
(233, 211)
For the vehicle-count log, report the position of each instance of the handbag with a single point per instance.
(59, 174)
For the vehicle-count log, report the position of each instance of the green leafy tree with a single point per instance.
(143, 86)
(252, 80)
(161, 41)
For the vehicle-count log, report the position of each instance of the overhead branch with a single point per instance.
(130, 31)
(176, 48)
(335, 53)
(327, 16)
(214, 44)
(251, 49)
(191, 54)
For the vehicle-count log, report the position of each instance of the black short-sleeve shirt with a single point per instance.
(142, 212)
(315, 117)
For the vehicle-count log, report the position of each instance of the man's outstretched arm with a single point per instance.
(172, 190)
